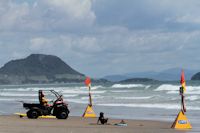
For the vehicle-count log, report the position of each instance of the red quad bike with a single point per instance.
(58, 109)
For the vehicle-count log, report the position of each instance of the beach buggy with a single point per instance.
(58, 108)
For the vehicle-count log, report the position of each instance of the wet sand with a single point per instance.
(14, 124)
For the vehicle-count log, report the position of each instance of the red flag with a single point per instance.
(87, 81)
(182, 81)
(182, 77)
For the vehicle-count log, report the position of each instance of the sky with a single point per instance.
(103, 37)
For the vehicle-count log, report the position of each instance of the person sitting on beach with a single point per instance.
(102, 119)
(122, 122)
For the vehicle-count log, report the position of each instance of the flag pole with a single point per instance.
(181, 121)
(89, 112)
(90, 97)
(182, 90)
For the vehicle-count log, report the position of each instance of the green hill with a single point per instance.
(38, 68)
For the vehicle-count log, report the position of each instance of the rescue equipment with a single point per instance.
(89, 112)
(181, 121)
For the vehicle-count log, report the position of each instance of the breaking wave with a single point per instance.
(134, 98)
(17, 95)
(51, 88)
(174, 89)
(70, 95)
(121, 91)
(14, 99)
(96, 87)
(193, 98)
(129, 86)
(80, 101)
(167, 87)
(159, 106)
(93, 97)
(81, 92)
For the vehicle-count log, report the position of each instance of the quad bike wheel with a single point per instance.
(32, 114)
(62, 115)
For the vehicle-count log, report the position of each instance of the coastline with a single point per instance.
(14, 124)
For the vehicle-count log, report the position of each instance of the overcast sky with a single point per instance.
(103, 37)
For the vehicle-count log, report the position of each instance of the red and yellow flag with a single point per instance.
(182, 81)
(88, 81)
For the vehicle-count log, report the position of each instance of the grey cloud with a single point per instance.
(149, 14)
(45, 15)
(137, 51)
(103, 37)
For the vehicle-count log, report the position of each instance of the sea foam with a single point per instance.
(159, 106)
(193, 98)
(167, 87)
(134, 98)
(17, 94)
(127, 85)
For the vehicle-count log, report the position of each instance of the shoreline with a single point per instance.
(74, 124)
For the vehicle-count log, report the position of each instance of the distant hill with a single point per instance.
(165, 75)
(133, 80)
(115, 78)
(196, 76)
(38, 68)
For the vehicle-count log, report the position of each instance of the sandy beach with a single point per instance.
(14, 124)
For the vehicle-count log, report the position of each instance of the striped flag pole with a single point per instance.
(182, 91)
(88, 84)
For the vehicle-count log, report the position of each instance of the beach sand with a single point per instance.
(14, 124)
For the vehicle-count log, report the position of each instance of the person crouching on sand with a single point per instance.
(102, 119)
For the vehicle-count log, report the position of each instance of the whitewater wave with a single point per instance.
(175, 89)
(17, 95)
(86, 88)
(128, 86)
(93, 97)
(147, 87)
(187, 92)
(193, 88)
(81, 92)
(121, 91)
(20, 89)
(9, 94)
(134, 98)
(51, 88)
(18, 100)
(80, 101)
(167, 87)
(173, 92)
(193, 98)
(70, 95)
(159, 106)
(96, 87)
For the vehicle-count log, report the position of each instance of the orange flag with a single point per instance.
(88, 81)
(182, 81)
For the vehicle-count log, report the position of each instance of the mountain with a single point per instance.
(115, 78)
(196, 76)
(165, 75)
(38, 68)
(133, 80)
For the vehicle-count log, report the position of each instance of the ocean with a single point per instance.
(147, 101)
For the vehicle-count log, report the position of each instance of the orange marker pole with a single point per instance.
(89, 112)
(90, 98)
(88, 84)
(183, 103)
